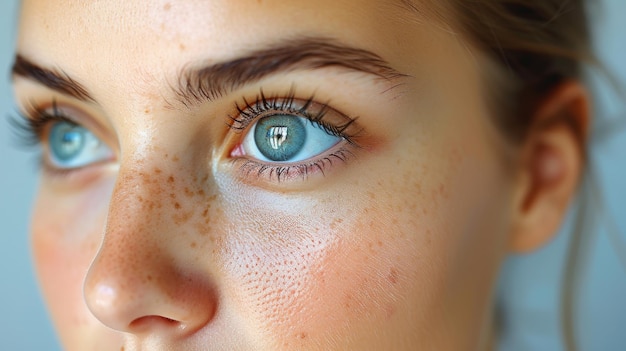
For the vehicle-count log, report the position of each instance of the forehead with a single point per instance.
(163, 31)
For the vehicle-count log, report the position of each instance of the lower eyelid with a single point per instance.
(251, 170)
(76, 179)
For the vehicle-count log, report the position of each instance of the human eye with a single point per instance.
(66, 145)
(286, 138)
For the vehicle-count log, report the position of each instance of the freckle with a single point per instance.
(157, 171)
(205, 212)
(193, 244)
(202, 229)
(177, 206)
(182, 47)
(302, 335)
(201, 192)
(170, 179)
(149, 277)
(167, 7)
(175, 159)
(180, 219)
(188, 192)
(393, 276)
(145, 177)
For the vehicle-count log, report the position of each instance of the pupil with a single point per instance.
(280, 137)
(277, 135)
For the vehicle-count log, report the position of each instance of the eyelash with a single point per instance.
(30, 125)
(266, 105)
(248, 113)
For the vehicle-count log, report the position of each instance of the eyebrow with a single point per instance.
(54, 79)
(213, 81)
(208, 83)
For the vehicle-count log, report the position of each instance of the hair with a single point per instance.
(539, 44)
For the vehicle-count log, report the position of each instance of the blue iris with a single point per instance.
(66, 140)
(72, 146)
(280, 137)
(284, 138)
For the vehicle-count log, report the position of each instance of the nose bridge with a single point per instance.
(143, 196)
(135, 223)
(140, 276)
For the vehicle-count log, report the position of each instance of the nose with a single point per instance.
(143, 279)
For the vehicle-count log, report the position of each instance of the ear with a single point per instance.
(551, 166)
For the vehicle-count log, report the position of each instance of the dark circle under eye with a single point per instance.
(66, 140)
(280, 137)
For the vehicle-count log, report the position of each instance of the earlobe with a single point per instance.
(552, 163)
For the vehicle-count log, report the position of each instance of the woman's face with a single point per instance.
(262, 175)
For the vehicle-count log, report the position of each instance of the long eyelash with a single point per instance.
(29, 126)
(249, 112)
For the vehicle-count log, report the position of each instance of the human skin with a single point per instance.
(173, 244)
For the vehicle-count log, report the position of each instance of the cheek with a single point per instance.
(323, 272)
(66, 233)
(386, 254)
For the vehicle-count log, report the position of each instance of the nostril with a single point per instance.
(147, 324)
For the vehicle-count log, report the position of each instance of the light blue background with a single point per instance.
(530, 284)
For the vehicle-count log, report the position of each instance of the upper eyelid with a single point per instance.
(310, 108)
(251, 113)
(68, 111)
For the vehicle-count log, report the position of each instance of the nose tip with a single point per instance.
(175, 308)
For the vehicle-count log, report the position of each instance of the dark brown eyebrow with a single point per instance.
(213, 81)
(53, 79)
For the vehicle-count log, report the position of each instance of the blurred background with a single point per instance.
(530, 287)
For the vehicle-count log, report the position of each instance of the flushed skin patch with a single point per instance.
(172, 245)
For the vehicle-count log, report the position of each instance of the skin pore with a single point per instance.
(180, 238)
